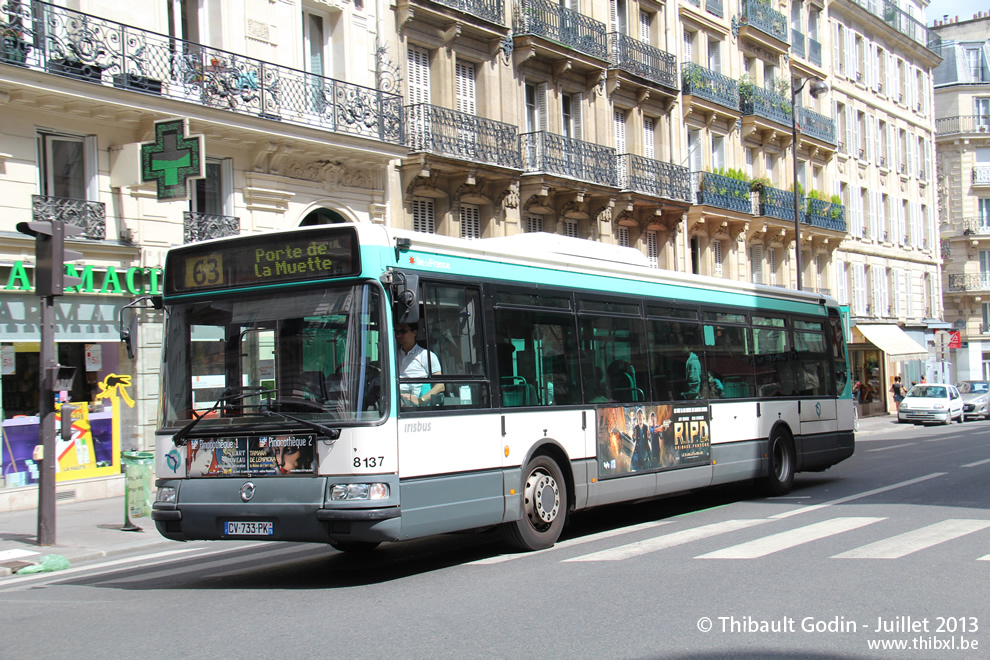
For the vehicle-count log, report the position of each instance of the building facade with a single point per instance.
(962, 108)
(686, 129)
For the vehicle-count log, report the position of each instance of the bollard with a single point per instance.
(138, 476)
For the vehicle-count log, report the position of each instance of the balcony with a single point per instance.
(904, 23)
(462, 136)
(640, 59)
(976, 227)
(816, 126)
(714, 7)
(814, 52)
(962, 124)
(775, 203)
(759, 22)
(710, 86)
(722, 192)
(553, 22)
(103, 52)
(91, 217)
(969, 282)
(981, 175)
(653, 177)
(204, 226)
(489, 10)
(825, 215)
(557, 155)
(764, 103)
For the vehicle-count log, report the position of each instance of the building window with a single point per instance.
(772, 266)
(622, 236)
(653, 248)
(717, 258)
(214, 195)
(68, 166)
(423, 216)
(695, 255)
(470, 221)
(756, 263)
(571, 228)
(534, 224)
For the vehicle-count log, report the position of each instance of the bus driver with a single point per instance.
(415, 362)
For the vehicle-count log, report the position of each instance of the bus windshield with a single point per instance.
(316, 354)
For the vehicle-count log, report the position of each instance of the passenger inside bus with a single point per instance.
(416, 362)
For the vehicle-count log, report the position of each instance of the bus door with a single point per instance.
(814, 377)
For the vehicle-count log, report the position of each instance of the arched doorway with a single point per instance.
(322, 217)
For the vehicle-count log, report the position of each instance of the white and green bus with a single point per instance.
(556, 375)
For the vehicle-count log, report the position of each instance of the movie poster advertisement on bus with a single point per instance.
(267, 455)
(645, 438)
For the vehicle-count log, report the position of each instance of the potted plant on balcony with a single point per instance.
(14, 48)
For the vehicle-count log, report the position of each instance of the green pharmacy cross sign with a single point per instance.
(172, 159)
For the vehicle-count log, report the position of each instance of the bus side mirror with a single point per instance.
(128, 334)
(404, 288)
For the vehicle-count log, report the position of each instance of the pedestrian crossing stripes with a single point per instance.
(919, 539)
(789, 539)
(669, 540)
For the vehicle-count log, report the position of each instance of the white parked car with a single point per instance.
(929, 403)
(975, 394)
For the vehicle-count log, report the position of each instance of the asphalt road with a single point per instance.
(891, 547)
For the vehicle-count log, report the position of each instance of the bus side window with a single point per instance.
(732, 363)
(677, 356)
(538, 358)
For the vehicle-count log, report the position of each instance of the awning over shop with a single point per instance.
(893, 341)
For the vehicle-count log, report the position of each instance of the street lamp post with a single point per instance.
(818, 87)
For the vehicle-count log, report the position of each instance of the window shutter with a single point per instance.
(772, 266)
(622, 236)
(888, 69)
(837, 48)
(418, 64)
(423, 220)
(858, 134)
(470, 221)
(908, 296)
(570, 228)
(464, 74)
(91, 168)
(884, 292)
(756, 263)
(859, 289)
(541, 106)
(874, 219)
(717, 258)
(534, 223)
(619, 131)
(644, 27)
(749, 161)
(850, 144)
(577, 101)
(718, 151)
(890, 147)
(687, 47)
(868, 142)
(841, 286)
(653, 248)
(715, 56)
(649, 137)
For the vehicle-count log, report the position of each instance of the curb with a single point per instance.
(90, 555)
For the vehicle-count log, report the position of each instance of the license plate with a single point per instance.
(249, 528)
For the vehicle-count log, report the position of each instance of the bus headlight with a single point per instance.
(165, 494)
(342, 492)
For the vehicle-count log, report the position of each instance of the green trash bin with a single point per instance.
(139, 474)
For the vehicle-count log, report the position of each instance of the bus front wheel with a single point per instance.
(781, 463)
(544, 507)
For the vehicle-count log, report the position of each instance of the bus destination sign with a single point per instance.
(259, 260)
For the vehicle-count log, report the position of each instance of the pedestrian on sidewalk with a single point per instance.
(898, 391)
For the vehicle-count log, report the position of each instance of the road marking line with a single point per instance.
(498, 559)
(175, 570)
(984, 461)
(789, 539)
(19, 580)
(10, 555)
(668, 541)
(983, 558)
(906, 444)
(841, 500)
(913, 541)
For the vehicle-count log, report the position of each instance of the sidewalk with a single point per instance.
(879, 424)
(83, 531)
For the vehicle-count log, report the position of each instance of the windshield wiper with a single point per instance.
(333, 434)
(179, 439)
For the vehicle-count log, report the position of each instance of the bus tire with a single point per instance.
(354, 546)
(780, 464)
(544, 495)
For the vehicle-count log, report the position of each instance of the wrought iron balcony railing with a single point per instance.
(714, 7)
(460, 135)
(816, 125)
(644, 60)
(204, 226)
(904, 23)
(981, 175)
(565, 26)
(567, 157)
(489, 10)
(91, 217)
(975, 226)
(722, 192)
(946, 248)
(814, 52)
(970, 282)
(775, 203)
(654, 177)
(764, 18)
(754, 100)
(797, 43)
(825, 214)
(100, 51)
(962, 124)
(710, 85)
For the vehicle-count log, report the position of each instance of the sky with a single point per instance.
(964, 9)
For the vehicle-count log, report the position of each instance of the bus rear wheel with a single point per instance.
(544, 507)
(780, 464)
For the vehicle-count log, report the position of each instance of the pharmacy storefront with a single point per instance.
(103, 394)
